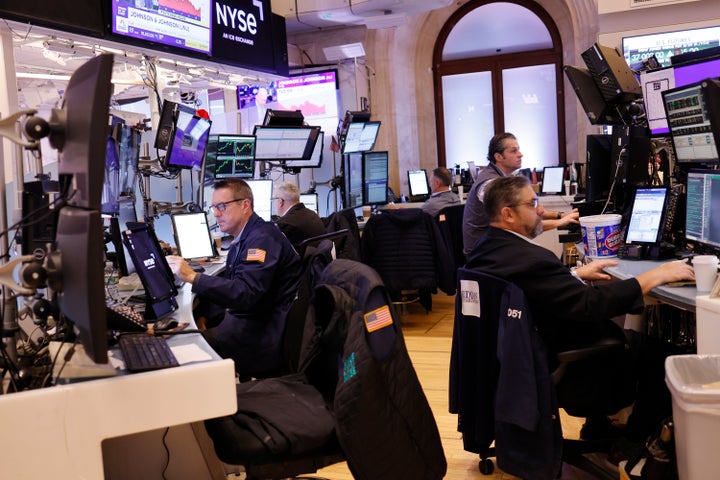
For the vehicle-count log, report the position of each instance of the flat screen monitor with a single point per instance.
(352, 180)
(552, 181)
(188, 141)
(646, 216)
(126, 215)
(150, 263)
(111, 180)
(166, 124)
(688, 110)
(310, 200)
(285, 143)
(702, 222)
(283, 118)
(598, 167)
(262, 197)
(360, 137)
(655, 82)
(129, 156)
(192, 235)
(666, 45)
(183, 25)
(230, 156)
(418, 185)
(315, 160)
(375, 178)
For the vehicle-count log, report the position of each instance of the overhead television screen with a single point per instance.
(665, 45)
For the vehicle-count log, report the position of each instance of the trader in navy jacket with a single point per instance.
(568, 312)
(245, 310)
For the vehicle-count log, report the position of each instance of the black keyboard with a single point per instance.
(143, 352)
(124, 318)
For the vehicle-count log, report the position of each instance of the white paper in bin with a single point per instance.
(694, 382)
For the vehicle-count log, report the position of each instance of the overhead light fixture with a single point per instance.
(341, 52)
(42, 76)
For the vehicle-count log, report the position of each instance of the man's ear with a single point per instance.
(507, 215)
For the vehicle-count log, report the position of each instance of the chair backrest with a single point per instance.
(337, 237)
(405, 247)
(496, 346)
(450, 221)
(349, 245)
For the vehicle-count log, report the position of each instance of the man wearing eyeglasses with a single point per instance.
(567, 312)
(244, 311)
(504, 158)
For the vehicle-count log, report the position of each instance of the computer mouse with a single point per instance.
(167, 323)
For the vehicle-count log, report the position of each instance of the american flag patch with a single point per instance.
(378, 318)
(256, 255)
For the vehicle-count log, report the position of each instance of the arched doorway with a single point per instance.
(497, 67)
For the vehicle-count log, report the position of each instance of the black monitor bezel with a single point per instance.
(172, 290)
(543, 187)
(313, 134)
(663, 217)
(414, 195)
(365, 196)
(173, 218)
(169, 163)
(211, 156)
(345, 150)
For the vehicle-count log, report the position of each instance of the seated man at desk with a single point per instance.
(568, 312)
(504, 158)
(296, 221)
(440, 194)
(245, 310)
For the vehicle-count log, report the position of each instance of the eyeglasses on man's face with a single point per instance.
(532, 203)
(222, 206)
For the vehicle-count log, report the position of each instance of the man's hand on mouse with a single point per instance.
(180, 267)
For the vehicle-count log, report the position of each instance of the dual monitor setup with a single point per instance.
(673, 107)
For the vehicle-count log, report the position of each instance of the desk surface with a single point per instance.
(680, 297)
(56, 432)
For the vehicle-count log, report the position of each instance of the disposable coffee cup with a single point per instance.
(366, 212)
(705, 267)
(217, 238)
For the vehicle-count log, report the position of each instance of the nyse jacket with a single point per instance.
(567, 312)
(261, 280)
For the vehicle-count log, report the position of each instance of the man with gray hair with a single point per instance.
(296, 221)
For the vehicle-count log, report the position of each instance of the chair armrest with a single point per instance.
(606, 345)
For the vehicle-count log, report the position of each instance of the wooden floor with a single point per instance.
(428, 338)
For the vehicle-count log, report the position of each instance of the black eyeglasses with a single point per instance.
(532, 203)
(221, 206)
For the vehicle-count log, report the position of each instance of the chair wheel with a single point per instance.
(486, 466)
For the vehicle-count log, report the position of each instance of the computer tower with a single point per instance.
(612, 75)
(598, 166)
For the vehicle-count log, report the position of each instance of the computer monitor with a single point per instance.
(284, 118)
(647, 216)
(166, 124)
(152, 268)
(230, 156)
(79, 239)
(702, 222)
(375, 178)
(129, 143)
(262, 197)
(360, 137)
(111, 180)
(598, 167)
(692, 115)
(418, 185)
(188, 142)
(192, 235)
(552, 181)
(285, 143)
(597, 109)
(126, 215)
(352, 186)
(315, 160)
(310, 200)
(655, 82)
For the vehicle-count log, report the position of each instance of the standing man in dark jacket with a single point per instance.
(296, 221)
(245, 311)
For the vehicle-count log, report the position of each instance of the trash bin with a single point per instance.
(694, 382)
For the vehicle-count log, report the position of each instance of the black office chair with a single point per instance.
(405, 247)
(503, 390)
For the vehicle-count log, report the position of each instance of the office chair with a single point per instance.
(503, 390)
(405, 247)
(345, 403)
(450, 222)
